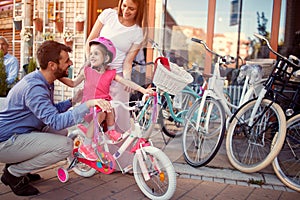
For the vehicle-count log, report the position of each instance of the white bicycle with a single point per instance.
(287, 164)
(205, 123)
(152, 169)
(257, 130)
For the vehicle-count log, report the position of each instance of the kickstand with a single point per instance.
(166, 141)
(73, 163)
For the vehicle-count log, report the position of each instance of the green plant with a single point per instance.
(3, 76)
(31, 65)
(257, 182)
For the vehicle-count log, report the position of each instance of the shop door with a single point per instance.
(96, 7)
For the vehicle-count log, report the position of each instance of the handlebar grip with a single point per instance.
(259, 36)
(295, 60)
(197, 40)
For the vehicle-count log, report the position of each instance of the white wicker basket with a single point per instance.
(266, 64)
(171, 81)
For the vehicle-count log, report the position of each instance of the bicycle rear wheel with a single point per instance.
(287, 164)
(162, 177)
(249, 147)
(170, 126)
(201, 145)
(80, 168)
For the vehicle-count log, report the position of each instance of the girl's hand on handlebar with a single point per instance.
(103, 104)
(150, 92)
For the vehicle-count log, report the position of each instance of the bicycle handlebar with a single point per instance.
(156, 46)
(288, 60)
(226, 59)
(115, 103)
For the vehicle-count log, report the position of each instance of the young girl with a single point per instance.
(97, 83)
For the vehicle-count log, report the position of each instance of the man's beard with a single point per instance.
(59, 73)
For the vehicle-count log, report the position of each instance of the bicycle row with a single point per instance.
(255, 128)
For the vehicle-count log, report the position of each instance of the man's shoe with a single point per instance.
(19, 185)
(31, 177)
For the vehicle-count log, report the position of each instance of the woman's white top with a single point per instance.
(122, 37)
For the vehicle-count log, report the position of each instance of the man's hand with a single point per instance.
(103, 104)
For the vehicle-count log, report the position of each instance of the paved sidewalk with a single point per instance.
(117, 186)
(217, 180)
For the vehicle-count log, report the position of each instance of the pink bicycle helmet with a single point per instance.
(106, 43)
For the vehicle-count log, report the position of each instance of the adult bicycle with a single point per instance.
(257, 130)
(174, 97)
(287, 163)
(205, 123)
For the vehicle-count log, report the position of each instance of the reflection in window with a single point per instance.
(182, 21)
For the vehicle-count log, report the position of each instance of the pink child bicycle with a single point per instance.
(152, 169)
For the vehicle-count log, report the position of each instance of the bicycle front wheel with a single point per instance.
(202, 141)
(287, 164)
(248, 147)
(160, 171)
(173, 127)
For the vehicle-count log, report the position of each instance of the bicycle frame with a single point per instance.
(100, 140)
(178, 116)
(215, 90)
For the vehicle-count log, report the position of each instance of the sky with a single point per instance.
(194, 13)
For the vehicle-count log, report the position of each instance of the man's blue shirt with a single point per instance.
(29, 107)
(11, 68)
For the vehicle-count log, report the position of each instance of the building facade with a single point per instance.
(226, 26)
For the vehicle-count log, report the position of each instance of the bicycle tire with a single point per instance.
(80, 168)
(287, 164)
(169, 126)
(249, 148)
(201, 146)
(162, 183)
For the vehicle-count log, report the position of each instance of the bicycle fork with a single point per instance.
(142, 161)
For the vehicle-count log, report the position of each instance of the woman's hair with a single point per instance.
(50, 51)
(141, 18)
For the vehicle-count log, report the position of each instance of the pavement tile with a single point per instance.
(219, 180)
(205, 190)
(272, 180)
(129, 192)
(242, 183)
(281, 188)
(187, 184)
(290, 196)
(263, 194)
(228, 181)
(234, 192)
(58, 193)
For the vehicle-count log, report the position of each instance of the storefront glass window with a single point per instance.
(254, 19)
(182, 21)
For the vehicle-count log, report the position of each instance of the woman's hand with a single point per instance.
(101, 103)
